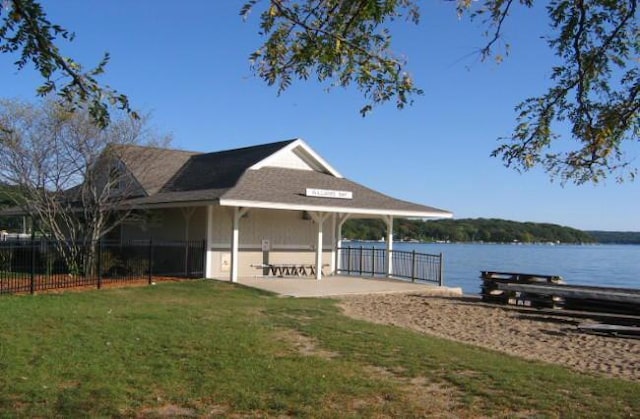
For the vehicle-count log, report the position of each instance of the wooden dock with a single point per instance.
(493, 289)
(547, 291)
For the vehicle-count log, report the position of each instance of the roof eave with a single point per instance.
(173, 204)
(336, 209)
(13, 212)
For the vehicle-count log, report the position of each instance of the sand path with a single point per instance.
(525, 333)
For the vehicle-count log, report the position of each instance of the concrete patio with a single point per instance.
(341, 285)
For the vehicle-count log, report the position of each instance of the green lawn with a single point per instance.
(213, 349)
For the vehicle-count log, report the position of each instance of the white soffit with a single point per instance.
(336, 209)
(300, 149)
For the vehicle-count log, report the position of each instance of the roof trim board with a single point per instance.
(334, 209)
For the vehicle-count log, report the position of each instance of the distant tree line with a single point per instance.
(467, 230)
(616, 237)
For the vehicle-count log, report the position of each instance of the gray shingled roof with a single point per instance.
(285, 188)
(176, 177)
(153, 167)
(288, 186)
(219, 170)
(159, 170)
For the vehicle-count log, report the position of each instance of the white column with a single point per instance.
(319, 218)
(209, 260)
(186, 214)
(342, 218)
(389, 221)
(334, 242)
(235, 236)
(320, 222)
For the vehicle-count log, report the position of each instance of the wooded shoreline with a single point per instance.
(484, 230)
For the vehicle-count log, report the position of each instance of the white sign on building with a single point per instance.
(329, 193)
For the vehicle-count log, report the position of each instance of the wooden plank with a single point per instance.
(601, 306)
(519, 277)
(610, 329)
(619, 295)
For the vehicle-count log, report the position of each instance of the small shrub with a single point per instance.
(137, 266)
(111, 264)
(5, 259)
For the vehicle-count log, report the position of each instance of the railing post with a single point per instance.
(361, 259)
(150, 261)
(99, 264)
(32, 286)
(373, 261)
(413, 266)
(186, 259)
(441, 276)
(349, 260)
(203, 254)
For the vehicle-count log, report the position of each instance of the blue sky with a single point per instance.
(187, 63)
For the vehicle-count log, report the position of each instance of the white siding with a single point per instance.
(292, 238)
(286, 230)
(288, 160)
(167, 224)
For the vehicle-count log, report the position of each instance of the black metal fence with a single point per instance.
(38, 264)
(363, 261)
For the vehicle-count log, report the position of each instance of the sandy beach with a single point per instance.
(525, 333)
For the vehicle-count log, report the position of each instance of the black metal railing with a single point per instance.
(372, 261)
(39, 264)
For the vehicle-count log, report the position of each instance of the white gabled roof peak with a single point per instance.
(301, 150)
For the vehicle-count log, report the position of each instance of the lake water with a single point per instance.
(599, 265)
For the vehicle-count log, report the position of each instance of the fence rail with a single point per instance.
(372, 261)
(39, 264)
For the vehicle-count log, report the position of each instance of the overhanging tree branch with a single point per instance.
(339, 40)
(25, 28)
